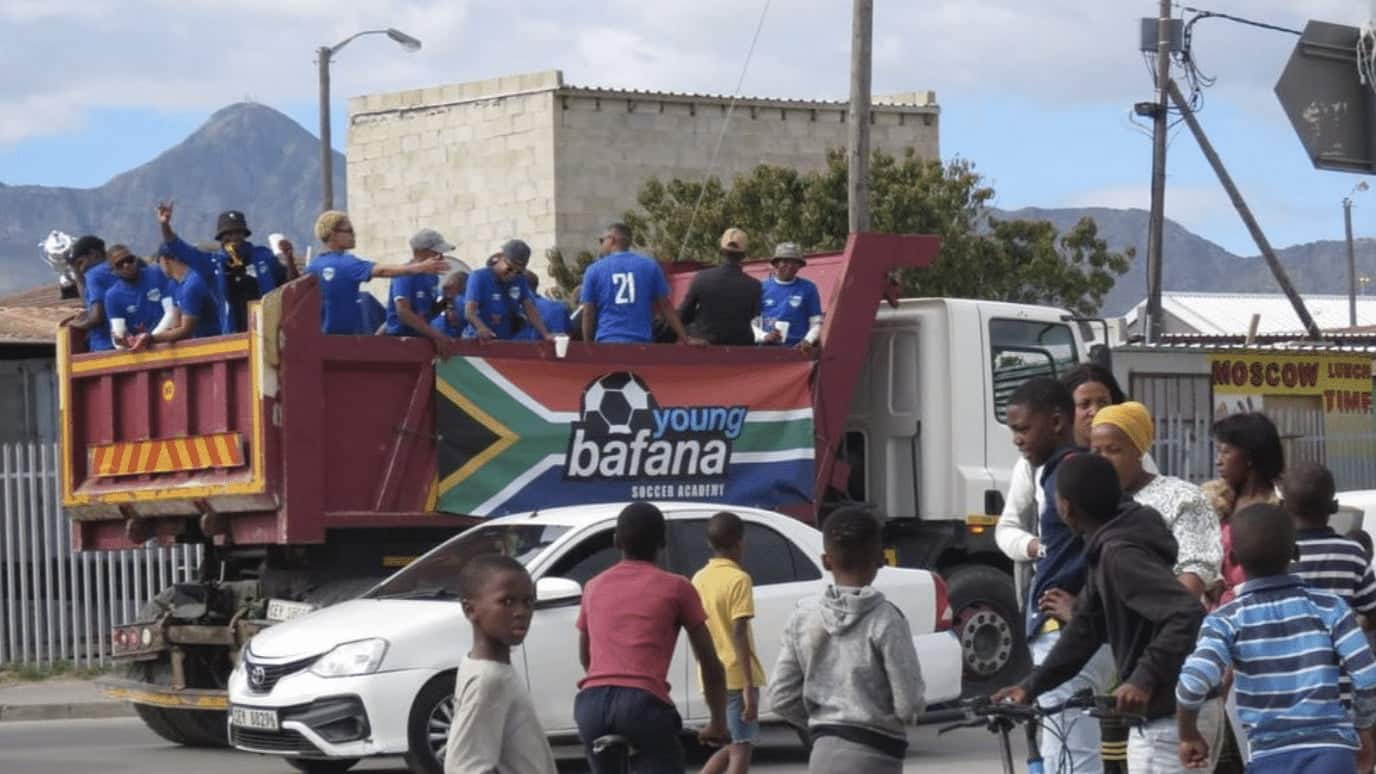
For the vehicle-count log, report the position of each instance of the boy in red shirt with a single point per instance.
(628, 626)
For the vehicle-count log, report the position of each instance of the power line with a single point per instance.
(1207, 14)
(721, 135)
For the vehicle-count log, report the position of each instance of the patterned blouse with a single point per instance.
(1192, 521)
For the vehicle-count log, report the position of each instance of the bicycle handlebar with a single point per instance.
(982, 712)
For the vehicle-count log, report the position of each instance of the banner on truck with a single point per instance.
(519, 435)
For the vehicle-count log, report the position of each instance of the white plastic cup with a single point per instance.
(561, 345)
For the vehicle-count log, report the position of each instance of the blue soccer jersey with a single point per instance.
(625, 287)
(340, 275)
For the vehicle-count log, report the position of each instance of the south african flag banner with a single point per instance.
(520, 435)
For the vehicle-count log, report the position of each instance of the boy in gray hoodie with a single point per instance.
(847, 668)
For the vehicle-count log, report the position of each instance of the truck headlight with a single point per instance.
(361, 657)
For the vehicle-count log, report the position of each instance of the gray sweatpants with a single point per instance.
(832, 754)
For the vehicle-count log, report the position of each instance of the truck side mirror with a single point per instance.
(993, 502)
(1100, 354)
(553, 592)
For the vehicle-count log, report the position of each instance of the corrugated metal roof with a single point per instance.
(32, 316)
(1229, 313)
(905, 101)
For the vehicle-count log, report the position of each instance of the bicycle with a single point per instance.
(1001, 717)
(614, 749)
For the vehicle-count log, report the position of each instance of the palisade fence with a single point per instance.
(57, 604)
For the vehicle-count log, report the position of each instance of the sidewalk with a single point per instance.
(57, 699)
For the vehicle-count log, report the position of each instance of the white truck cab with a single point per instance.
(928, 445)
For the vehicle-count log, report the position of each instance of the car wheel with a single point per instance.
(318, 766)
(427, 728)
(989, 626)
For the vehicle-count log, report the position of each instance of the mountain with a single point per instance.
(247, 157)
(252, 158)
(1194, 263)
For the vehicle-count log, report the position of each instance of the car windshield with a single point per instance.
(436, 575)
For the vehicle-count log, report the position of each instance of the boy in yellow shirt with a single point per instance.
(728, 596)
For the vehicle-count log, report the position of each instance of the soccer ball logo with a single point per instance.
(617, 404)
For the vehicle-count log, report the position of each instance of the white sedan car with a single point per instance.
(375, 675)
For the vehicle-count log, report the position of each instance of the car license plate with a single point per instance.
(247, 717)
(284, 610)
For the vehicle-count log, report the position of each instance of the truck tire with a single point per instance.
(428, 725)
(191, 728)
(987, 621)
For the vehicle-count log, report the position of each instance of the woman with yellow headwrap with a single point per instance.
(1122, 434)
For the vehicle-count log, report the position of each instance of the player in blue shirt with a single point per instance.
(411, 299)
(497, 295)
(140, 303)
(95, 280)
(340, 273)
(239, 273)
(554, 314)
(790, 306)
(622, 291)
(198, 309)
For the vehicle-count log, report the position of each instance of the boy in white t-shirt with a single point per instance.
(495, 728)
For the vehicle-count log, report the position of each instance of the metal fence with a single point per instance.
(56, 604)
(1182, 406)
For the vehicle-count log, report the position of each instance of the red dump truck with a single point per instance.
(310, 466)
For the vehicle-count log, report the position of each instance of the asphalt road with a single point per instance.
(124, 745)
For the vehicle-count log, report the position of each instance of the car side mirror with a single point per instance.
(551, 592)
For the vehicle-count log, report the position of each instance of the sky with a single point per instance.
(1037, 94)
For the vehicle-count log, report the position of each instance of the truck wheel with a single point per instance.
(427, 729)
(319, 766)
(987, 621)
(192, 728)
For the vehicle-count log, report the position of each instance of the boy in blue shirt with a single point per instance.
(1287, 645)
(411, 299)
(140, 303)
(622, 291)
(340, 273)
(790, 306)
(88, 255)
(450, 319)
(497, 295)
(553, 313)
(198, 310)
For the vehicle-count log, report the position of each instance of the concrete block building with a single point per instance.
(529, 156)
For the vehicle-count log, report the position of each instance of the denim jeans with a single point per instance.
(1081, 731)
(651, 726)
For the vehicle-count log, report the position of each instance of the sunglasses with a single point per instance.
(125, 261)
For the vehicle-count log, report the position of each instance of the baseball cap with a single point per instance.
(787, 251)
(430, 239)
(734, 240)
(517, 252)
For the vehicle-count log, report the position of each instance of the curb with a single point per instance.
(88, 710)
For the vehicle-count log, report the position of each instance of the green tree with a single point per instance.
(981, 257)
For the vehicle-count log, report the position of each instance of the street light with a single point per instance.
(1351, 255)
(323, 56)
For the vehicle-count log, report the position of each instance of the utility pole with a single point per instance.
(1157, 224)
(858, 179)
(323, 55)
(1351, 265)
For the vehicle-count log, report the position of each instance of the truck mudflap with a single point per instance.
(162, 696)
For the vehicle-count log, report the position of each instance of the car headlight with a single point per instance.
(361, 657)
